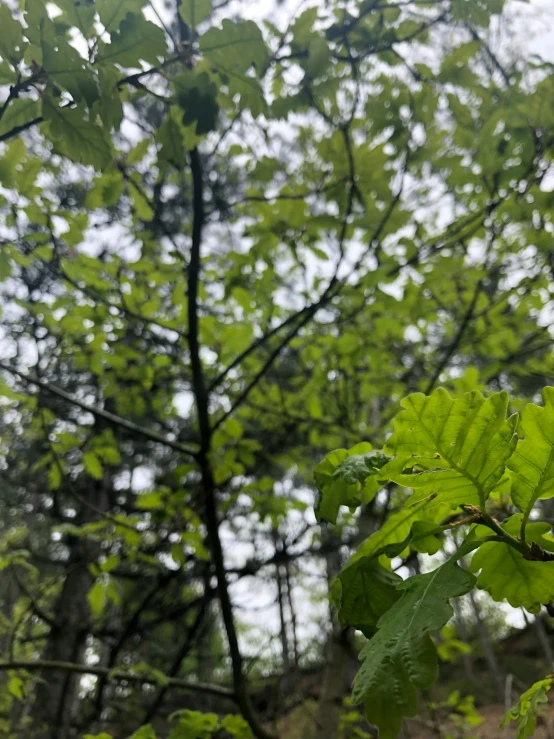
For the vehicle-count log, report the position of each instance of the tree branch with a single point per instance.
(132, 677)
(201, 396)
(31, 379)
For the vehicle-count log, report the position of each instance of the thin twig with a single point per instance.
(31, 379)
(131, 677)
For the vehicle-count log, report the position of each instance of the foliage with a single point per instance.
(528, 708)
(456, 451)
(227, 248)
(461, 713)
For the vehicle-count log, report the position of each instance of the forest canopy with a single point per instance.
(275, 346)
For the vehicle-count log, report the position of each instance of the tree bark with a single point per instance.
(339, 668)
(462, 632)
(544, 641)
(53, 706)
(488, 651)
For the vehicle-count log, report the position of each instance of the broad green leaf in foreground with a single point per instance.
(397, 533)
(401, 658)
(366, 591)
(525, 712)
(507, 575)
(347, 477)
(452, 451)
(532, 463)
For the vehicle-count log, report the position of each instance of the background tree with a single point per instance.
(228, 248)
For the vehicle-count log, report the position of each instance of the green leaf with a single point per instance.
(137, 40)
(367, 591)
(7, 74)
(113, 12)
(145, 732)
(11, 36)
(141, 205)
(532, 463)
(79, 14)
(194, 725)
(97, 597)
(16, 687)
(194, 12)
(196, 96)
(319, 57)
(235, 47)
(401, 658)
(507, 575)
(93, 465)
(452, 451)
(170, 136)
(68, 69)
(149, 501)
(525, 712)
(109, 106)
(346, 478)
(18, 113)
(395, 531)
(84, 142)
(55, 477)
(236, 726)
(233, 428)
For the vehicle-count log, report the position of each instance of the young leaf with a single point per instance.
(401, 658)
(97, 597)
(452, 451)
(145, 732)
(16, 687)
(532, 463)
(395, 532)
(507, 575)
(525, 712)
(346, 478)
(93, 465)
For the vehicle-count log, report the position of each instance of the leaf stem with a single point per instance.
(520, 546)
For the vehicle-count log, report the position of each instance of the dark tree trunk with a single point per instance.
(53, 708)
(339, 668)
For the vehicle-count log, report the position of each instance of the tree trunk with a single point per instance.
(339, 669)
(292, 611)
(488, 651)
(462, 633)
(544, 641)
(56, 692)
(283, 622)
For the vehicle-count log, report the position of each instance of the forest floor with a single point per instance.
(492, 716)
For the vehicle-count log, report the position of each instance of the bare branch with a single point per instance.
(131, 677)
(31, 379)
